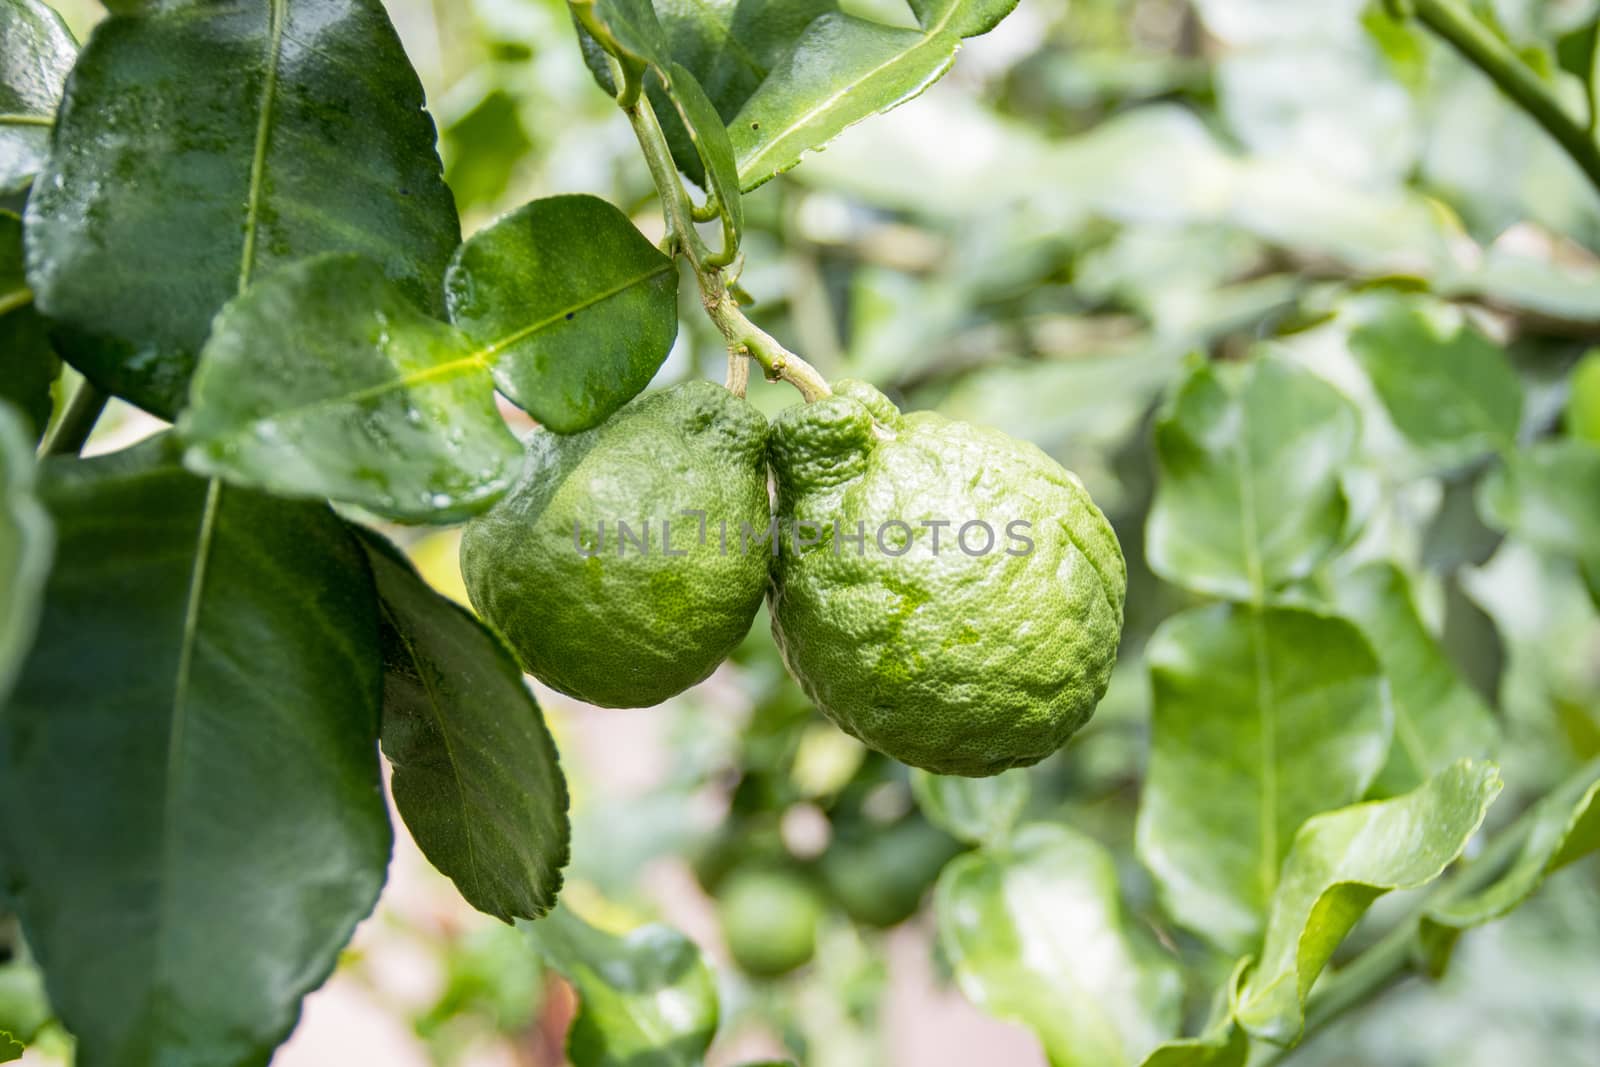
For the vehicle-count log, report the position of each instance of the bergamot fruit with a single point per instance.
(627, 617)
(956, 598)
(769, 920)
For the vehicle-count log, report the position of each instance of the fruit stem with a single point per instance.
(745, 339)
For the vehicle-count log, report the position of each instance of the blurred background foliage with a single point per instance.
(1102, 191)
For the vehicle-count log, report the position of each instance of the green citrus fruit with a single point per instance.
(769, 920)
(879, 875)
(1583, 407)
(983, 650)
(628, 618)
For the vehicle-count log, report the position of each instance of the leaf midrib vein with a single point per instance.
(17, 118)
(258, 160)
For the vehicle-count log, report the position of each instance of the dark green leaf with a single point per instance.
(190, 803)
(324, 380)
(1565, 828)
(974, 810)
(475, 771)
(28, 365)
(843, 69)
(1549, 497)
(1249, 496)
(1262, 718)
(36, 52)
(1438, 717)
(1341, 862)
(646, 999)
(570, 306)
(1016, 923)
(1449, 389)
(203, 145)
(25, 547)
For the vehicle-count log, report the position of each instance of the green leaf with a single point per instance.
(36, 52)
(1565, 828)
(203, 145)
(1450, 390)
(1343, 861)
(1034, 933)
(28, 365)
(843, 69)
(475, 771)
(1438, 717)
(26, 547)
(323, 380)
(1249, 497)
(190, 805)
(1227, 1046)
(709, 139)
(570, 307)
(1262, 718)
(646, 999)
(1549, 497)
(974, 810)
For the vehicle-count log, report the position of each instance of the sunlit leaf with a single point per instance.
(190, 806)
(568, 305)
(1565, 828)
(1263, 717)
(323, 380)
(1438, 717)
(1450, 390)
(974, 810)
(843, 69)
(36, 52)
(202, 145)
(475, 771)
(25, 547)
(645, 999)
(1033, 929)
(28, 365)
(1249, 496)
(1341, 862)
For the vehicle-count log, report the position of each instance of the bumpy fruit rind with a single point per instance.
(596, 616)
(957, 662)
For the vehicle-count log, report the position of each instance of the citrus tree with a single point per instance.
(1340, 625)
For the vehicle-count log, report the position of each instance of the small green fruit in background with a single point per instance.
(984, 654)
(879, 875)
(1583, 406)
(769, 920)
(614, 624)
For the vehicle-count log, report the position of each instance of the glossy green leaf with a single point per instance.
(203, 145)
(1034, 932)
(190, 806)
(26, 545)
(1262, 718)
(1341, 862)
(1549, 497)
(709, 138)
(1249, 496)
(569, 306)
(1565, 828)
(974, 810)
(646, 999)
(36, 52)
(1438, 717)
(843, 69)
(1450, 390)
(28, 365)
(632, 27)
(323, 380)
(475, 771)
